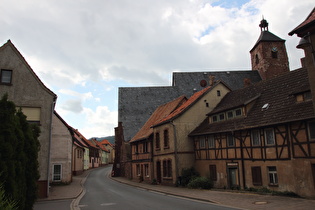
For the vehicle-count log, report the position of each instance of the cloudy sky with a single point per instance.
(83, 50)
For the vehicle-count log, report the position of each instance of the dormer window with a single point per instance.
(306, 96)
(238, 112)
(221, 116)
(214, 118)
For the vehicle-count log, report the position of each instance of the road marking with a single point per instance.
(108, 204)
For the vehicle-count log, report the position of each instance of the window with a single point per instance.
(255, 137)
(166, 139)
(146, 170)
(269, 136)
(307, 96)
(145, 147)
(238, 112)
(218, 93)
(230, 140)
(273, 177)
(221, 116)
(57, 172)
(311, 130)
(274, 54)
(211, 141)
(157, 140)
(137, 148)
(32, 114)
(256, 176)
(230, 114)
(138, 170)
(202, 143)
(6, 76)
(213, 172)
(214, 118)
(167, 168)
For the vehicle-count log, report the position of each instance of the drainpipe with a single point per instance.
(175, 150)
(49, 143)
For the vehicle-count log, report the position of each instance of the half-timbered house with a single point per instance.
(261, 136)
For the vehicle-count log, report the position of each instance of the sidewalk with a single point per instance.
(232, 199)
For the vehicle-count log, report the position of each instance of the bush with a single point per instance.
(188, 174)
(5, 202)
(200, 183)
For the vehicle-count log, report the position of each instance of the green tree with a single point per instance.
(19, 148)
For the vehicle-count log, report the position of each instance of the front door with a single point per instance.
(233, 177)
(158, 171)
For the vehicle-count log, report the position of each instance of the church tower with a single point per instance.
(269, 54)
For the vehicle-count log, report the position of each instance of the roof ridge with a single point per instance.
(9, 43)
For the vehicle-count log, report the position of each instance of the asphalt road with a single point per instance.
(101, 192)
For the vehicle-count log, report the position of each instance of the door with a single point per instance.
(233, 177)
(158, 171)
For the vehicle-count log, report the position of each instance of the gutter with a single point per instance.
(49, 144)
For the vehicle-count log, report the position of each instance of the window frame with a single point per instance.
(166, 139)
(1, 77)
(266, 136)
(54, 174)
(311, 130)
(211, 139)
(253, 139)
(202, 142)
(272, 175)
(157, 141)
(228, 140)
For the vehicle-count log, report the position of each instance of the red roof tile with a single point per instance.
(300, 30)
(160, 113)
(183, 107)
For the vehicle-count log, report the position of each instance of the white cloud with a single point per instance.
(99, 122)
(75, 45)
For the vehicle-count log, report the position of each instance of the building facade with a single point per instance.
(27, 91)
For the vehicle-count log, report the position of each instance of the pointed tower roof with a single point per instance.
(266, 35)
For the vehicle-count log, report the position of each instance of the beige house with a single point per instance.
(61, 151)
(172, 148)
(27, 91)
(110, 148)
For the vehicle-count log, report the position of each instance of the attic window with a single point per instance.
(6, 77)
(218, 93)
(265, 107)
(305, 96)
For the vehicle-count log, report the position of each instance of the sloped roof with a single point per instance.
(102, 147)
(105, 141)
(267, 36)
(136, 104)
(79, 136)
(10, 44)
(185, 106)
(278, 93)
(160, 113)
(303, 28)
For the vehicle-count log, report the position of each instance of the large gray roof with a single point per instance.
(136, 104)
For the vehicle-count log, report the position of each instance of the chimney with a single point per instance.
(247, 82)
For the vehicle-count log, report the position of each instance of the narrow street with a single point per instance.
(103, 193)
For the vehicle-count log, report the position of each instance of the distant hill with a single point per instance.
(111, 139)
